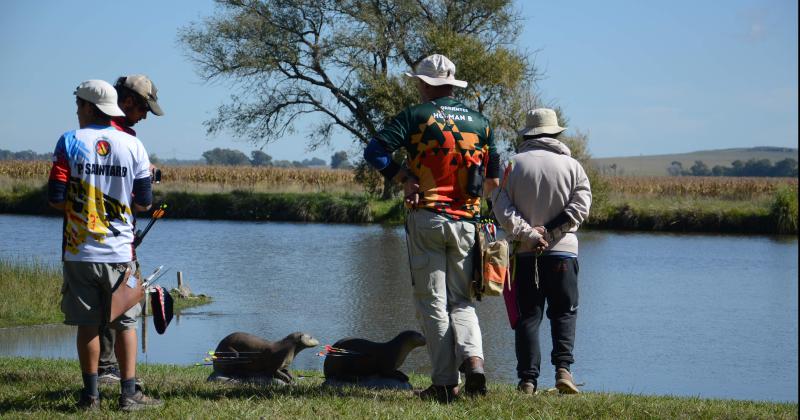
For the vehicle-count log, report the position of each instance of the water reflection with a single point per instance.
(657, 310)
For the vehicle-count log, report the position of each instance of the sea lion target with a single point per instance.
(369, 363)
(248, 357)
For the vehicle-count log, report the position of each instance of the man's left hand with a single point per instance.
(411, 192)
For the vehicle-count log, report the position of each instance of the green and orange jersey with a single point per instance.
(444, 139)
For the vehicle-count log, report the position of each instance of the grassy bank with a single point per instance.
(690, 215)
(47, 388)
(678, 204)
(238, 205)
(766, 215)
(32, 292)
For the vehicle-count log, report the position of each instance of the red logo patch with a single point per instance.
(102, 147)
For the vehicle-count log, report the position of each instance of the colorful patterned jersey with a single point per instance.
(99, 165)
(444, 139)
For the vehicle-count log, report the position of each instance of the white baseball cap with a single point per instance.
(102, 94)
(437, 70)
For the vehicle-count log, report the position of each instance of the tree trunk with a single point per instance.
(390, 189)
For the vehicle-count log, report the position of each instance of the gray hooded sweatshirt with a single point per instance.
(543, 186)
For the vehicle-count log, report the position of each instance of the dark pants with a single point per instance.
(108, 359)
(558, 286)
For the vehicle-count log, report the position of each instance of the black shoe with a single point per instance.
(89, 402)
(138, 401)
(108, 376)
(475, 382)
(443, 394)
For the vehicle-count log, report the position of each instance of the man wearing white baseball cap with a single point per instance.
(99, 177)
(452, 161)
(97, 92)
(544, 199)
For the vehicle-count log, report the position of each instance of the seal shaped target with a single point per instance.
(363, 358)
(242, 355)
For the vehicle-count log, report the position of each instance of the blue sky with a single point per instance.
(640, 78)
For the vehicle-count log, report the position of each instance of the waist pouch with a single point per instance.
(492, 262)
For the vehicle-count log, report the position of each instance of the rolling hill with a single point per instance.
(656, 165)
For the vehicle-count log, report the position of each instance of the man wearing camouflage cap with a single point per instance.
(136, 96)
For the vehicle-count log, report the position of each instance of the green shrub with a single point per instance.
(784, 209)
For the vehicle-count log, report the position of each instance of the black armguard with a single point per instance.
(142, 192)
(56, 191)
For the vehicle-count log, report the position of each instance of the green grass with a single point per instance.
(388, 211)
(32, 294)
(784, 209)
(655, 205)
(685, 214)
(49, 388)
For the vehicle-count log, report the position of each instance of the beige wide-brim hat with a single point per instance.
(437, 70)
(541, 121)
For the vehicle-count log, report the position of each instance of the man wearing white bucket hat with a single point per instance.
(451, 160)
(544, 198)
(96, 172)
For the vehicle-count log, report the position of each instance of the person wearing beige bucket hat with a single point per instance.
(109, 169)
(452, 160)
(544, 198)
(541, 121)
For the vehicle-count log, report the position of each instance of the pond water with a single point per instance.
(692, 315)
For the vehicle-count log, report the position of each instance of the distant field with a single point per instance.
(208, 179)
(25, 175)
(702, 187)
(660, 203)
(656, 165)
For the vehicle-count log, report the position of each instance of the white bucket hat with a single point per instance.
(102, 94)
(541, 121)
(437, 70)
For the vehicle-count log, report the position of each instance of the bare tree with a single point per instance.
(342, 59)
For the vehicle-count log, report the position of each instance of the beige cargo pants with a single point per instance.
(440, 255)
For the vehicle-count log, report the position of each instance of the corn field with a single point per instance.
(728, 188)
(217, 178)
(222, 178)
(253, 175)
